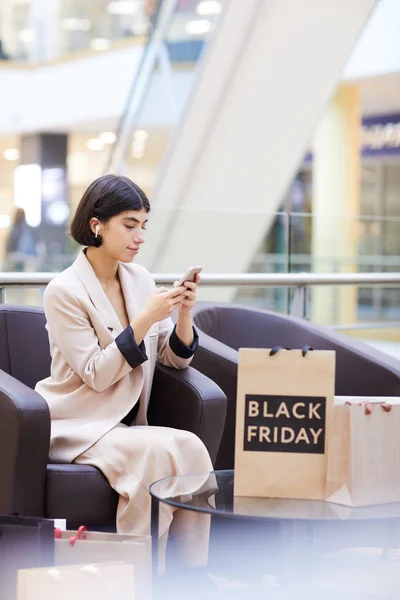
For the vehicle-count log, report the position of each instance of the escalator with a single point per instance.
(268, 71)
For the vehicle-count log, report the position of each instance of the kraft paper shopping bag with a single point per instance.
(72, 548)
(90, 581)
(284, 403)
(364, 452)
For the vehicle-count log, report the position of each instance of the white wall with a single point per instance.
(58, 96)
(72, 95)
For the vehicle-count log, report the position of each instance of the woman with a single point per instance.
(21, 243)
(107, 325)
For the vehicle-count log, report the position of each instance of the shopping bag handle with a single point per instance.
(276, 349)
(369, 406)
(81, 535)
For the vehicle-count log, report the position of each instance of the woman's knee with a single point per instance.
(196, 451)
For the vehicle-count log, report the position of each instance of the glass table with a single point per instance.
(290, 537)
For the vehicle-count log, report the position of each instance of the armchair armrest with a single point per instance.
(187, 399)
(362, 370)
(24, 448)
(219, 362)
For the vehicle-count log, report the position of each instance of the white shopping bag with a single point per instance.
(105, 581)
(74, 548)
(363, 451)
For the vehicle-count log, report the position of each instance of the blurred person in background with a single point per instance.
(3, 55)
(21, 245)
(151, 7)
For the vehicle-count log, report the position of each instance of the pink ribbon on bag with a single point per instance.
(369, 406)
(80, 536)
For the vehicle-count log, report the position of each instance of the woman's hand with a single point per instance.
(161, 304)
(189, 296)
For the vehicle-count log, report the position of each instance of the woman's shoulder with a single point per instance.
(63, 284)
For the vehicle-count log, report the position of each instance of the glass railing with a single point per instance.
(41, 31)
(265, 243)
(318, 244)
(27, 288)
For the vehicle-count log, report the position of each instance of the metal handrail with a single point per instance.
(367, 326)
(10, 279)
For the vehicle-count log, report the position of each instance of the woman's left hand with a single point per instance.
(189, 296)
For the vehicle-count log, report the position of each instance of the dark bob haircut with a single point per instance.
(105, 198)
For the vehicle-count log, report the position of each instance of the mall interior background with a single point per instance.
(67, 71)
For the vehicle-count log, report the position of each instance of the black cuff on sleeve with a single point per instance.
(179, 348)
(134, 355)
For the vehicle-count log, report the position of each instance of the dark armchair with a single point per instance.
(360, 369)
(81, 494)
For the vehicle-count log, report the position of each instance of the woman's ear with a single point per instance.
(95, 226)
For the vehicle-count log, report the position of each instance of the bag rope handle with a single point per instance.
(304, 350)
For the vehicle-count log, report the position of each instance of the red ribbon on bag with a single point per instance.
(57, 533)
(81, 535)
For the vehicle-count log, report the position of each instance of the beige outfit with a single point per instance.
(92, 388)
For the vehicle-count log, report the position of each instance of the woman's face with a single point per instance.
(123, 235)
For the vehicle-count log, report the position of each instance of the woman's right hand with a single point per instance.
(161, 303)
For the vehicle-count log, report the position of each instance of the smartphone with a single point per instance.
(189, 275)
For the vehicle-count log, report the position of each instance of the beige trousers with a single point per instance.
(132, 458)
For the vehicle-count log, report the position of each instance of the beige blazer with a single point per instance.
(92, 387)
